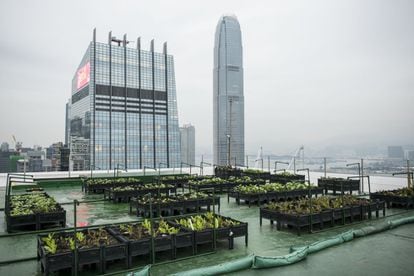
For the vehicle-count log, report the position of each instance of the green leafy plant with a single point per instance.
(27, 204)
(50, 243)
(301, 207)
(206, 221)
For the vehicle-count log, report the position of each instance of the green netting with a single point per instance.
(368, 230)
(232, 266)
(402, 221)
(320, 245)
(266, 262)
(143, 272)
(348, 235)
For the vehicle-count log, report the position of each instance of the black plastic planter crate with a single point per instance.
(225, 172)
(203, 236)
(273, 195)
(261, 175)
(125, 196)
(163, 243)
(135, 247)
(101, 255)
(206, 236)
(394, 201)
(348, 213)
(38, 220)
(51, 263)
(218, 188)
(169, 208)
(100, 188)
(338, 184)
(184, 238)
(94, 255)
(53, 217)
(22, 220)
(248, 198)
(283, 179)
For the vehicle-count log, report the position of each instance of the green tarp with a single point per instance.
(239, 264)
(266, 262)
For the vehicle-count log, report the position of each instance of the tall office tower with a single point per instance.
(395, 152)
(67, 122)
(187, 137)
(228, 99)
(123, 111)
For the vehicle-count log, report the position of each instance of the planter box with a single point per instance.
(272, 196)
(100, 188)
(94, 255)
(38, 220)
(206, 236)
(51, 263)
(174, 207)
(344, 215)
(283, 179)
(394, 201)
(163, 242)
(262, 175)
(135, 247)
(218, 188)
(337, 184)
(125, 196)
(225, 172)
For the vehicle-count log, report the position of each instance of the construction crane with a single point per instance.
(296, 156)
(15, 143)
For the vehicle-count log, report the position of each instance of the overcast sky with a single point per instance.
(315, 72)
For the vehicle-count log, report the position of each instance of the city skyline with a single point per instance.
(316, 74)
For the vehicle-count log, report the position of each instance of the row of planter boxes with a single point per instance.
(37, 221)
(142, 247)
(281, 178)
(285, 178)
(259, 174)
(179, 207)
(271, 196)
(98, 185)
(330, 216)
(393, 201)
(220, 187)
(227, 171)
(178, 182)
(339, 184)
(117, 195)
(98, 255)
(124, 248)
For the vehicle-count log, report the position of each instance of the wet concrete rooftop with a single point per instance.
(386, 253)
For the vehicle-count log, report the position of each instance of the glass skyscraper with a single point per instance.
(228, 99)
(123, 108)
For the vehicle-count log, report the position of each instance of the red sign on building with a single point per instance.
(83, 76)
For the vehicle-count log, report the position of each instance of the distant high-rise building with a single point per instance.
(5, 162)
(228, 98)
(67, 122)
(123, 109)
(187, 137)
(53, 153)
(4, 147)
(410, 155)
(64, 158)
(395, 152)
